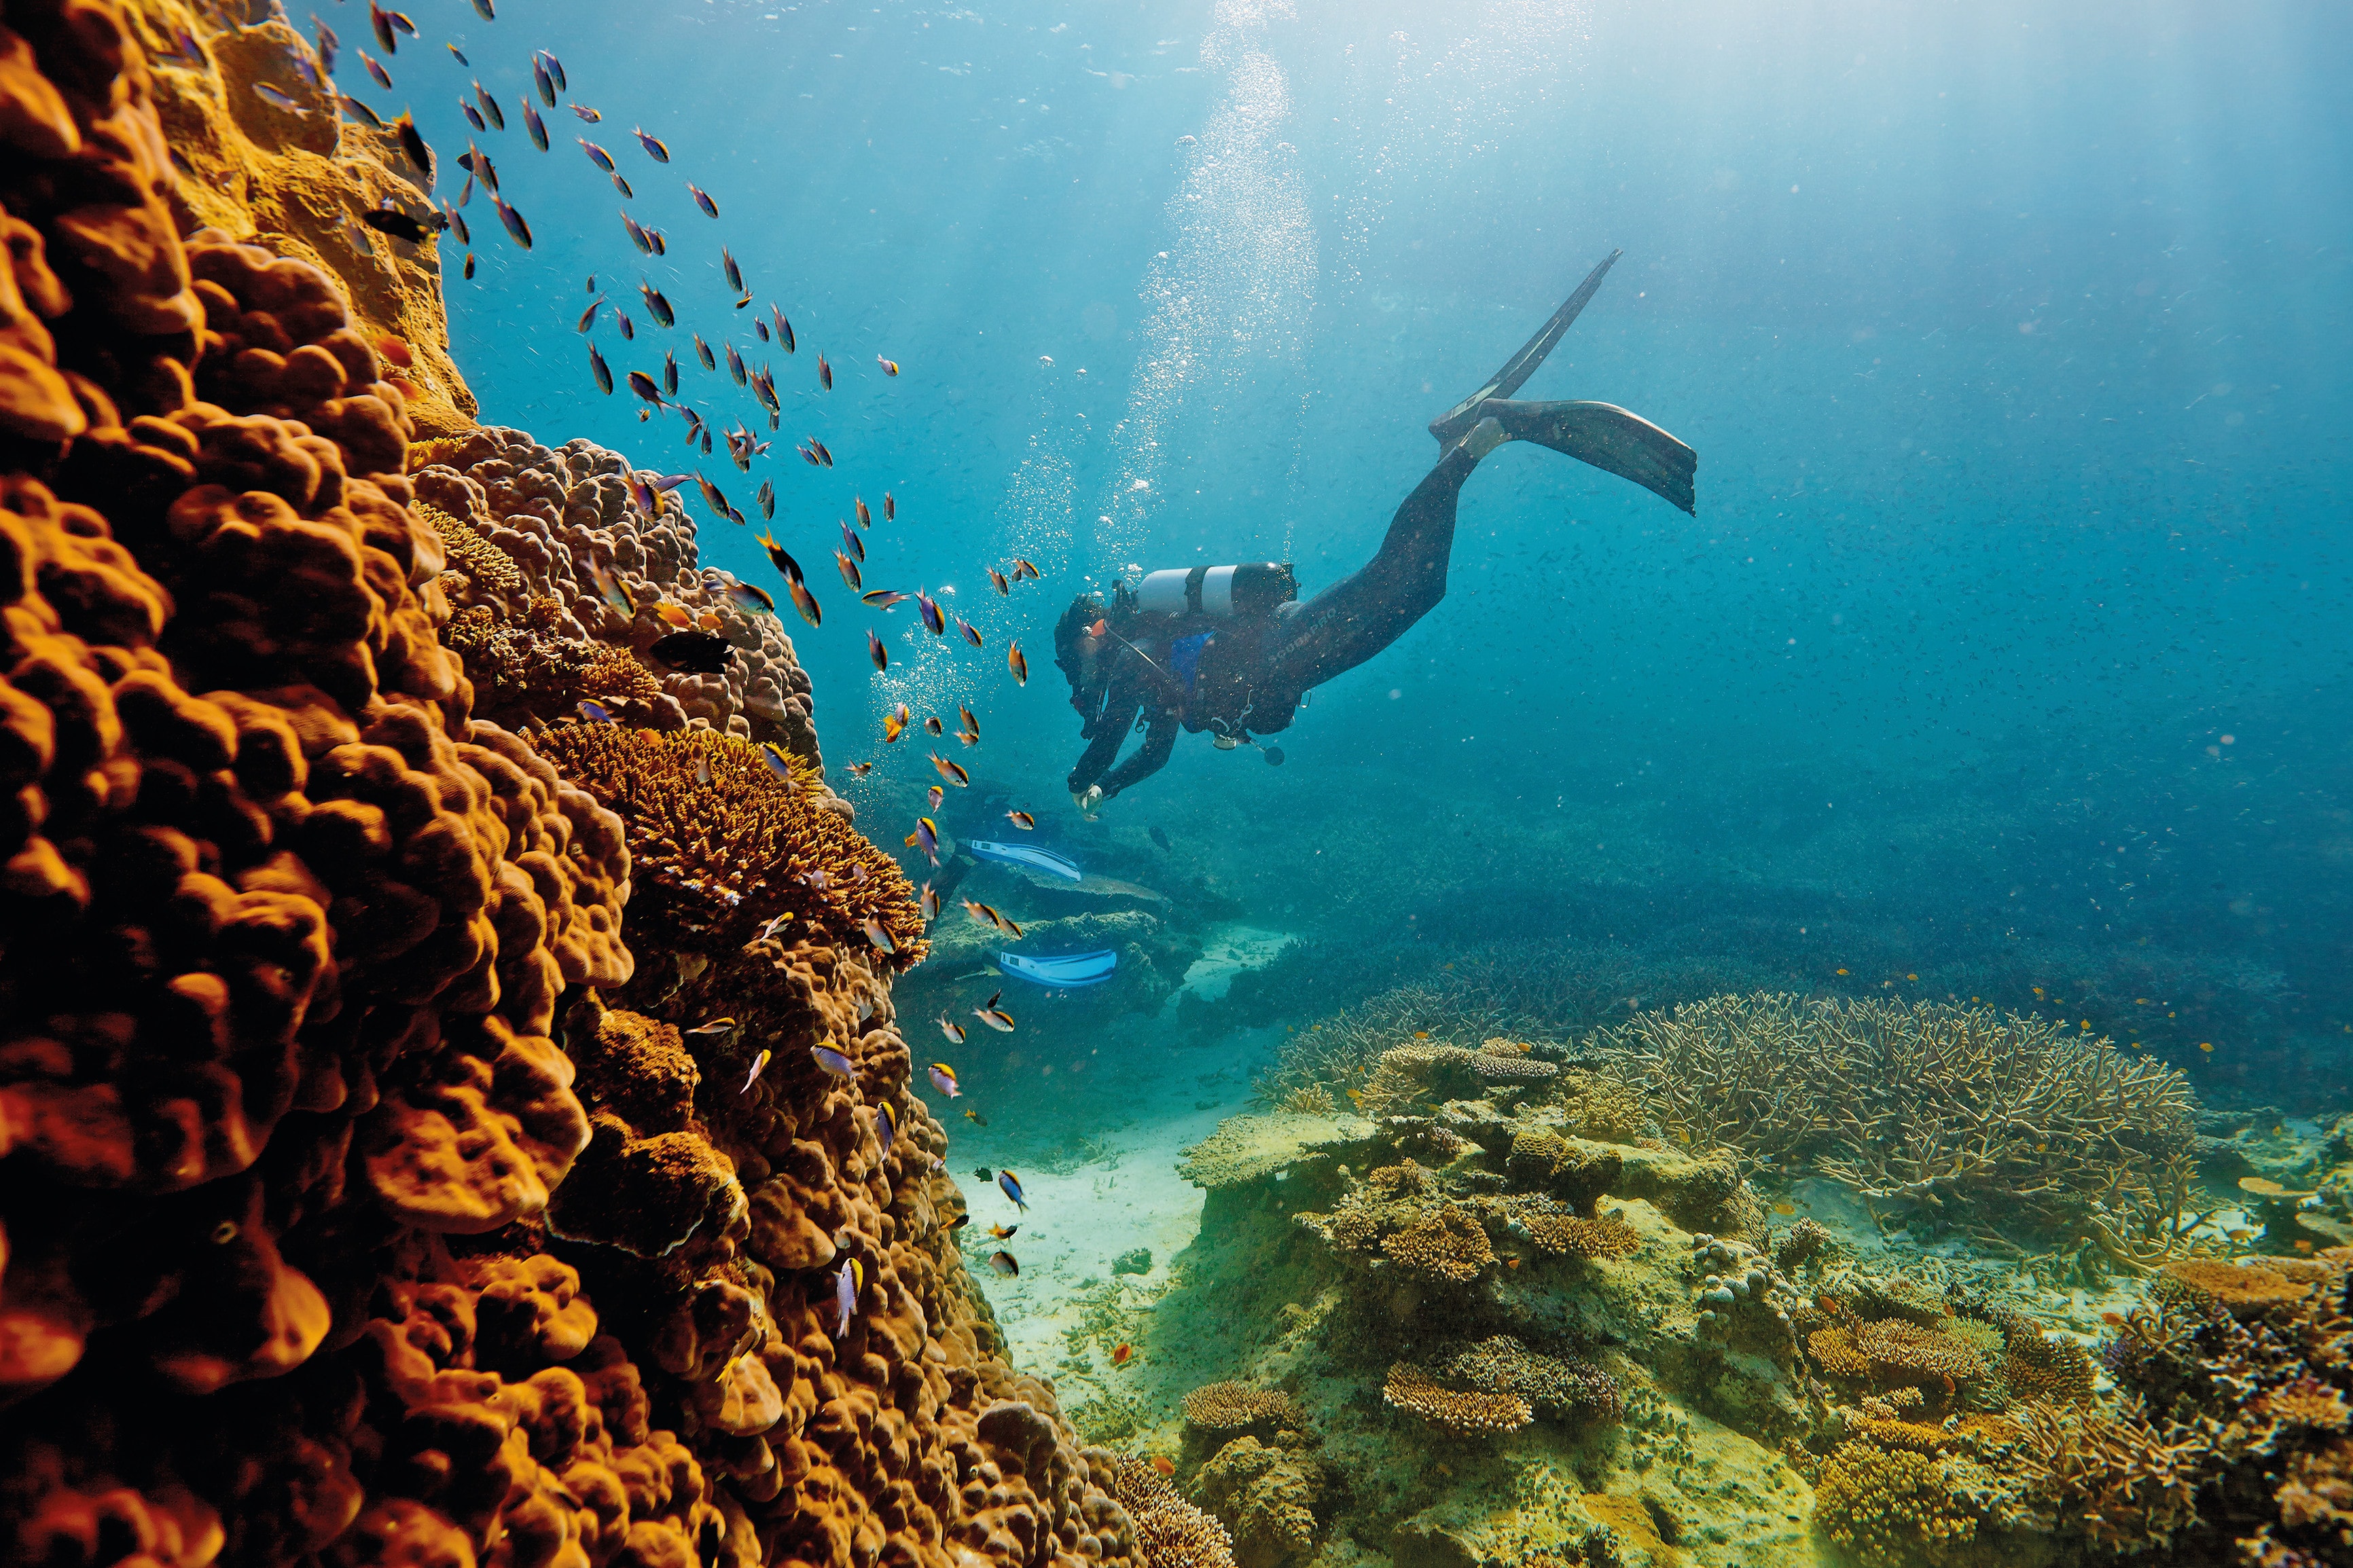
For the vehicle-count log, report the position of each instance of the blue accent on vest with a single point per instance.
(1185, 658)
(1064, 971)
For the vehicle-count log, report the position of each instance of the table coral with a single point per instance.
(1563, 1233)
(1562, 1384)
(721, 846)
(2245, 1290)
(1233, 1406)
(1410, 1389)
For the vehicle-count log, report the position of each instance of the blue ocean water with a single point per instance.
(2005, 656)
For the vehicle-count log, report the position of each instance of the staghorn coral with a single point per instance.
(722, 847)
(1234, 1406)
(2114, 1475)
(287, 937)
(2307, 1402)
(2036, 1365)
(1410, 1389)
(1308, 1099)
(1445, 1240)
(1971, 1109)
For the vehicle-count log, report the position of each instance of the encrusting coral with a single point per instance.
(303, 1018)
(1268, 1496)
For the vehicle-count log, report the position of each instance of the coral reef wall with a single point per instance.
(377, 1181)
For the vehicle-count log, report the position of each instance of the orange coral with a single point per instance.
(1446, 1240)
(2244, 1290)
(721, 846)
(1414, 1391)
(1568, 1235)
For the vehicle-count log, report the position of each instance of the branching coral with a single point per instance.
(1445, 1241)
(2125, 1482)
(1948, 1105)
(722, 847)
(1234, 1406)
(1556, 1231)
(1891, 1351)
(1891, 1507)
(1415, 1392)
(1169, 1531)
(1561, 1385)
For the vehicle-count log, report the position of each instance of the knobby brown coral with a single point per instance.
(285, 940)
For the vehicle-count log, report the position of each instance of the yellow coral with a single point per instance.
(2307, 1402)
(1570, 1235)
(1886, 1506)
(2037, 1365)
(1445, 1241)
(720, 844)
(1414, 1391)
(470, 553)
(2244, 1290)
(1605, 1110)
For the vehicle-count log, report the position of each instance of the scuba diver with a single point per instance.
(1232, 650)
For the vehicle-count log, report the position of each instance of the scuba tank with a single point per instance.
(1217, 592)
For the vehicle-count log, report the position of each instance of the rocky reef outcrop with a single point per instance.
(379, 1178)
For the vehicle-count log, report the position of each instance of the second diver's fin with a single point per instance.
(1450, 426)
(1609, 438)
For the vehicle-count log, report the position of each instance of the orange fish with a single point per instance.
(1162, 1463)
(1119, 1353)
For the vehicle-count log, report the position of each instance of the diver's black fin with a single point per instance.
(1610, 438)
(1450, 426)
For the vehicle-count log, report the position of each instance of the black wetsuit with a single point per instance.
(1252, 671)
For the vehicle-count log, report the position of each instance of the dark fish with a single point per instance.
(865, 516)
(669, 375)
(643, 385)
(876, 934)
(546, 85)
(381, 20)
(983, 1173)
(734, 273)
(277, 98)
(458, 55)
(412, 144)
(469, 267)
(767, 500)
(360, 111)
(971, 633)
(697, 653)
(890, 366)
(513, 220)
(760, 327)
(457, 224)
(886, 1126)
(478, 163)
(975, 1117)
(621, 318)
(594, 712)
(377, 73)
(804, 602)
(1022, 820)
(702, 199)
(1017, 664)
(702, 353)
(768, 541)
(657, 306)
(930, 608)
(824, 373)
(716, 501)
(466, 194)
(556, 69)
(889, 508)
(473, 115)
(875, 650)
(651, 143)
(534, 126)
(588, 316)
(849, 569)
(482, 9)
(491, 109)
(751, 600)
(636, 234)
(824, 453)
(851, 542)
(400, 225)
(881, 598)
(601, 370)
(661, 246)
(833, 1062)
(996, 581)
(783, 328)
(327, 44)
(735, 366)
(1161, 839)
(596, 155)
(932, 726)
(1006, 1181)
(587, 113)
(622, 185)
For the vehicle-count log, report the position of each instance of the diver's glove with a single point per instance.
(1089, 801)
